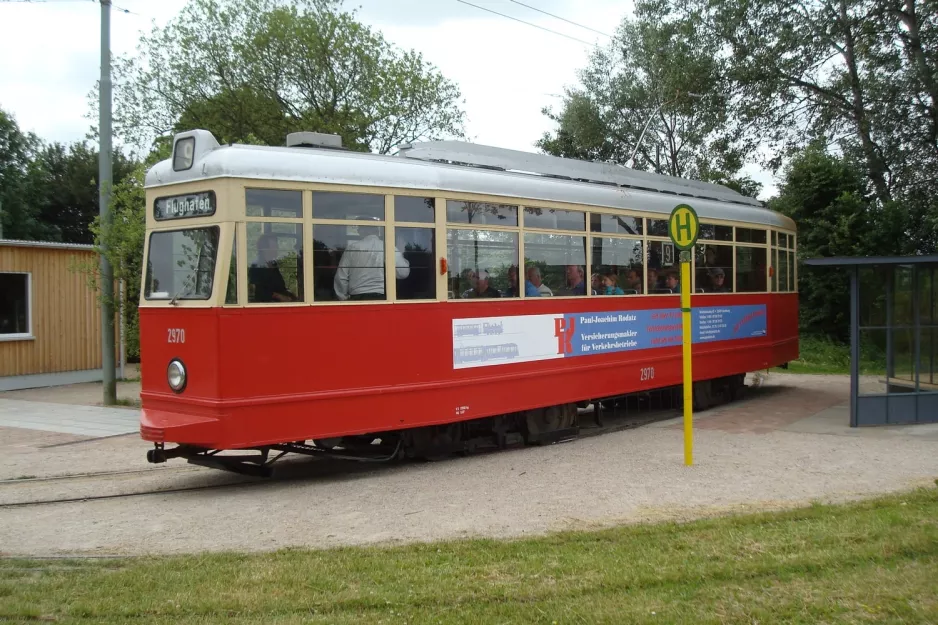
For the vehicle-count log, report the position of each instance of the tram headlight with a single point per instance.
(183, 154)
(176, 375)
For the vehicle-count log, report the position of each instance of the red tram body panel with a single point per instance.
(260, 377)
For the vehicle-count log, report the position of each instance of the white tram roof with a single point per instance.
(458, 167)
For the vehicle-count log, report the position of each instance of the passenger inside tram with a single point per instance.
(611, 283)
(265, 282)
(575, 283)
(534, 277)
(633, 281)
(479, 279)
(672, 282)
(529, 289)
(717, 280)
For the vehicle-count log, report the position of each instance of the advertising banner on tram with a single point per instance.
(487, 341)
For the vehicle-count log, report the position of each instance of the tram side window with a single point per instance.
(348, 262)
(481, 213)
(231, 295)
(783, 271)
(274, 203)
(479, 263)
(418, 246)
(275, 265)
(360, 206)
(554, 219)
(619, 263)
(714, 268)
(750, 269)
(664, 274)
(615, 224)
(414, 209)
(560, 260)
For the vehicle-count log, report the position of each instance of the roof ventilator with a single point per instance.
(314, 140)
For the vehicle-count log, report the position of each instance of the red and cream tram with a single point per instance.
(317, 300)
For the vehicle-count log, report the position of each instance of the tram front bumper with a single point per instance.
(162, 426)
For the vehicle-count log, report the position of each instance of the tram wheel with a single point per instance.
(435, 443)
(541, 421)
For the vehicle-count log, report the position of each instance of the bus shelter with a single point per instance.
(893, 338)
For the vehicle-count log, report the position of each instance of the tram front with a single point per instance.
(189, 242)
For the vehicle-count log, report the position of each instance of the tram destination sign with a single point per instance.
(200, 204)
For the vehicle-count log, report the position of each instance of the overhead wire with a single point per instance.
(554, 32)
(528, 6)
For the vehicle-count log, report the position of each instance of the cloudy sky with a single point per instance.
(507, 71)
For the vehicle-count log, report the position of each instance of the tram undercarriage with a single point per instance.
(540, 426)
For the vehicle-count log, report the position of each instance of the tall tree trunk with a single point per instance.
(913, 47)
(875, 165)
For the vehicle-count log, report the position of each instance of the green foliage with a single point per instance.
(122, 240)
(20, 186)
(657, 90)
(262, 68)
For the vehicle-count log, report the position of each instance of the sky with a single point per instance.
(507, 71)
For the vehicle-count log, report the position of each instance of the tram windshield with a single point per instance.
(181, 264)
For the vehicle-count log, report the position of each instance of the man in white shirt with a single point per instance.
(360, 275)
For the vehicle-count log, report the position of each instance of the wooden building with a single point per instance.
(50, 318)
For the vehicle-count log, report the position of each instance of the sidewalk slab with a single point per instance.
(68, 419)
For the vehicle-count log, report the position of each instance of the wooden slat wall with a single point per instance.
(66, 318)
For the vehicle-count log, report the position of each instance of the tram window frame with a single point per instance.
(703, 273)
(598, 221)
(299, 269)
(361, 213)
(508, 219)
(544, 268)
(620, 270)
(166, 295)
(259, 193)
(715, 232)
(455, 266)
(530, 219)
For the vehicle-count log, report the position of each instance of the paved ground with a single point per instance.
(786, 444)
(93, 421)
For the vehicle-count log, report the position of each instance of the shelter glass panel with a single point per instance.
(928, 359)
(750, 235)
(274, 203)
(872, 283)
(479, 261)
(361, 206)
(927, 294)
(14, 303)
(561, 260)
(902, 358)
(750, 269)
(714, 269)
(348, 262)
(418, 246)
(616, 224)
(873, 343)
(415, 209)
(553, 219)
(181, 264)
(713, 232)
(620, 264)
(275, 271)
(481, 213)
(902, 310)
(661, 263)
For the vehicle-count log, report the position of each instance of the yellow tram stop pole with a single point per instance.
(683, 227)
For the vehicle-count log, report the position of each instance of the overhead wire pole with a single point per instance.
(104, 198)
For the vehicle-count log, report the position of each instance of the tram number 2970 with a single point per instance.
(648, 373)
(175, 335)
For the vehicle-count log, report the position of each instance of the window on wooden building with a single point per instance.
(14, 306)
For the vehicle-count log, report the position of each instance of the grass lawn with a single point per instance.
(821, 355)
(869, 562)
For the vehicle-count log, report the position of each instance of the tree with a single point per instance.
(20, 183)
(860, 72)
(657, 91)
(826, 196)
(68, 201)
(263, 68)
